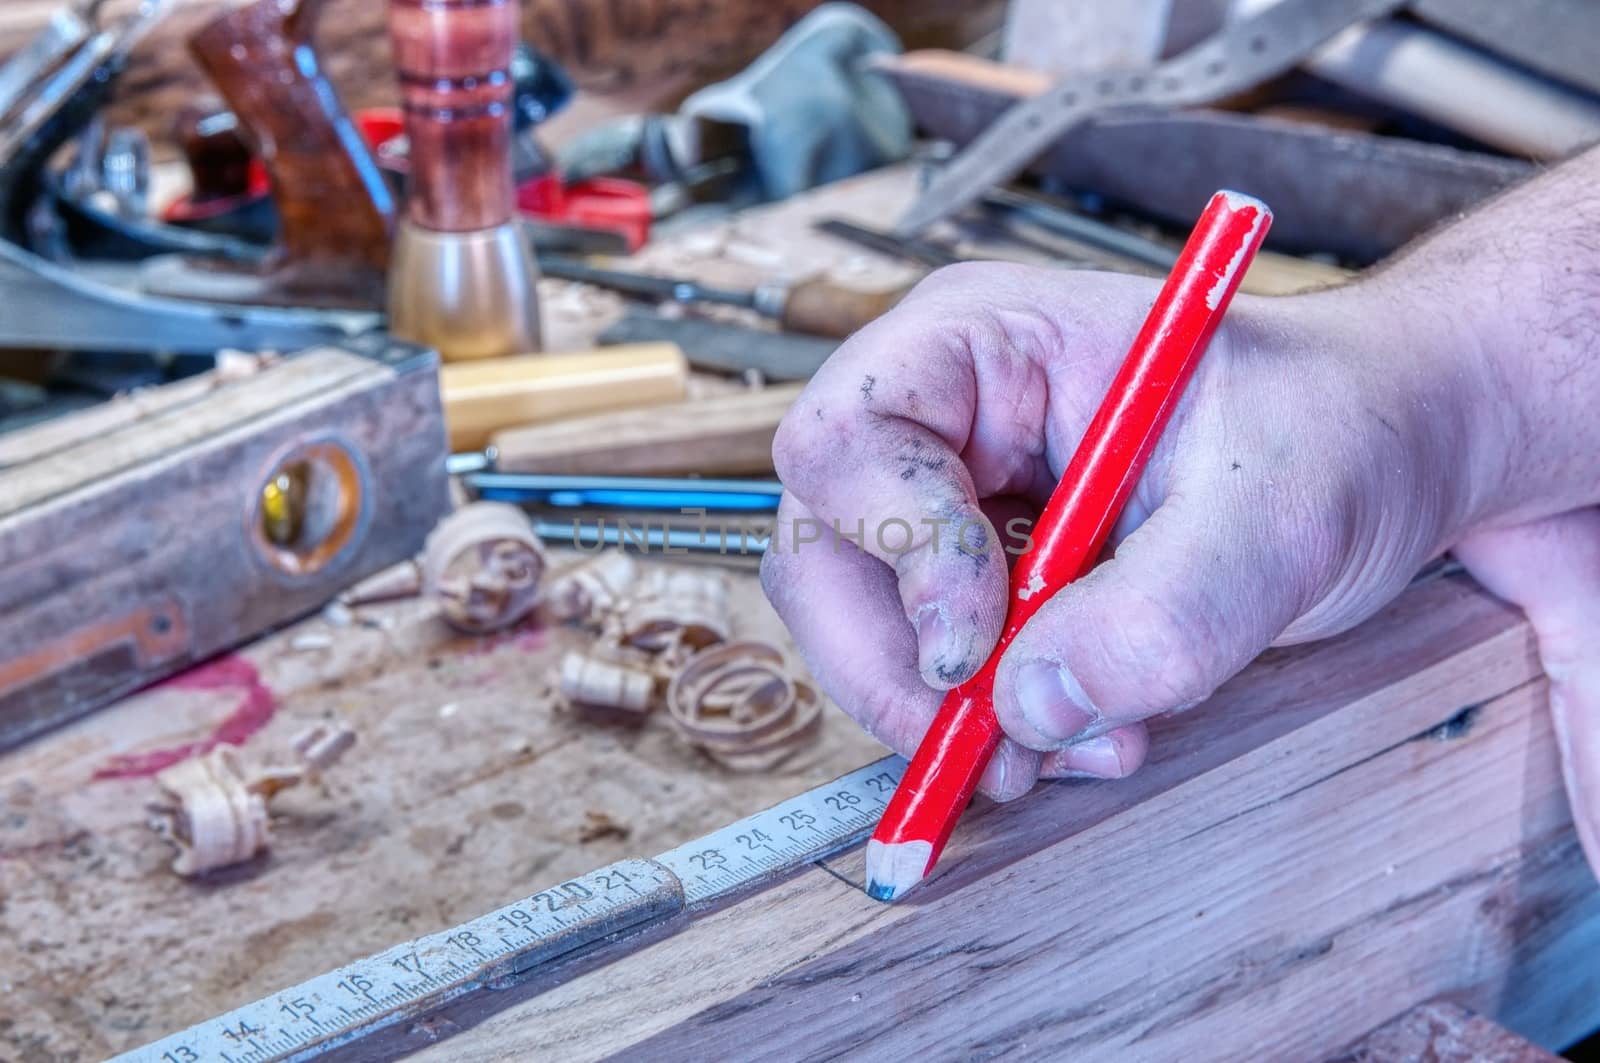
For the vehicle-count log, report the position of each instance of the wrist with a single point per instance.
(1420, 389)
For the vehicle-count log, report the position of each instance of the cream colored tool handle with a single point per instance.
(484, 397)
(720, 436)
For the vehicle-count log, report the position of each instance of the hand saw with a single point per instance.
(1238, 58)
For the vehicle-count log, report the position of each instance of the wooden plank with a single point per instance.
(719, 435)
(1331, 837)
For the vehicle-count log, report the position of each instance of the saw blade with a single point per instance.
(1240, 57)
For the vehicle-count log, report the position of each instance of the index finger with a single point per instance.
(934, 405)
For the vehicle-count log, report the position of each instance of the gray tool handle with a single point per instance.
(1236, 59)
(727, 348)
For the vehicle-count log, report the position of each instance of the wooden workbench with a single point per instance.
(1346, 830)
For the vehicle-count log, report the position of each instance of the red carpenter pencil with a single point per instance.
(944, 773)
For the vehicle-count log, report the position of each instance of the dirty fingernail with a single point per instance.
(1097, 757)
(1052, 702)
(937, 654)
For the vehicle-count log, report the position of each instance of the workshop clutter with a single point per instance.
(662, 636)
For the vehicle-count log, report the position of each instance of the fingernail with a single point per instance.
(938, 657)
(1099, 758)
(993, 780)
(1052, 702)
(933, 634)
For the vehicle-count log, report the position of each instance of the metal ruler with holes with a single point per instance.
(387, 1004)
(1240, 57)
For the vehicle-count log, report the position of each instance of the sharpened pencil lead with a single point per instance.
(893, 868)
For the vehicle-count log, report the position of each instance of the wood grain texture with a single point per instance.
(335, 213)
(453, 62)
(717, 436)
(1329, 840)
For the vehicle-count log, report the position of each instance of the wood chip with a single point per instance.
(677, 607)
(740, 703)
(587, 592)
(483, 565)
(217, 815)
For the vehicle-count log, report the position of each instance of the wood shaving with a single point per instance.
(740, 703)
(217, 810)
(592, 681)
(675, 607)
(587, 593)
(483, 565)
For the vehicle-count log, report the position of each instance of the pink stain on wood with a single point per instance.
(251, 715)
(527, 638)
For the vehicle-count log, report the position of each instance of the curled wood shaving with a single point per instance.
(592, 590)
(483, 564)
(217, 815)
(673, 608)
(649, 627)
(592, 680)
(739, 702)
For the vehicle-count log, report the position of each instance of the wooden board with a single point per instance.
(721, 435)
(1345, 829)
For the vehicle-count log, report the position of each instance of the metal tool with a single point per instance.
(724, 536)
(660, 494)
(47, 94)
(462, 273)
(907, 248)
(1008, 205)
(1240, 57)
(817, 307)
(725, 347)
(381, 1001)
(25, 71)
(80, 57)
(1357, 195)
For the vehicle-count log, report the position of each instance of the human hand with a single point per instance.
(1551, 568)
(1316, 462)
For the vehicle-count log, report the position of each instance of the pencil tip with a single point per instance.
(893, 868)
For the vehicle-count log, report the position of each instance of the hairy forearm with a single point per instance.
(1511, 297)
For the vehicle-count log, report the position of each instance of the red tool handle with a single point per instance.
(1071, 531)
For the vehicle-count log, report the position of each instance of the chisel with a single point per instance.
(818, 307)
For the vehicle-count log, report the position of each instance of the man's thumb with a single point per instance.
(1183, 605)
